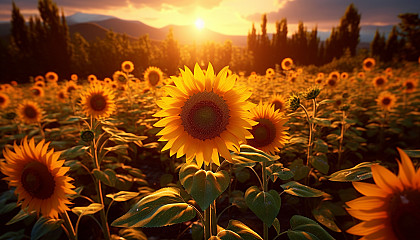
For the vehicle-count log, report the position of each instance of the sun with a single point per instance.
(199, 23)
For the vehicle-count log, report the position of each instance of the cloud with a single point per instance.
(327, 13)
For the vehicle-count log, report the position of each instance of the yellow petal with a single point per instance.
(366, 203)
(369, 189)
(385, 179)
(368, 227)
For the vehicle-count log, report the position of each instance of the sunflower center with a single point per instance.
(205, 115)
(404, 213)
(121, 78)
(380, 81)
(409, 85)
(331, 82)
(264, 133)
(278, 105)
(2, 100)
(386, 101)
(36, 92)
(61, 95)
(30, 112)
(70, 89)
(38, 180)
(154, 78)
(368, 64)
(98, 102)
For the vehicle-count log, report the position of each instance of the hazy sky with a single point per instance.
(233, 17)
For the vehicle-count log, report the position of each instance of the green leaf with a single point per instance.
(359, 172)
(322, 122)
(15, 235)
(203, 186)
(91, 209)
(277, 170)
(44, 226)
(250, 155)
(320, 146)
(297, 189)
(132, 234)
(108, 177)
(276, 225)
(73, 152)
(161, 208)
(325, 101)
(320, 162)
(120, 137)
(301, 235)
(326, 218)
(310, 227)
(299, 170)
(22, 214)
(266, 205)
(122, 196)
(242, 230)
(226, 235)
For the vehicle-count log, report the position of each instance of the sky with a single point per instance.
(231, 17)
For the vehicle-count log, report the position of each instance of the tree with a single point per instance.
(279, 44)
(377, 46)
(349, 30)
(410, 32)
(392, 45)
(172, 53)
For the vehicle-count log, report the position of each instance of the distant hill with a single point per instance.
(92, 26)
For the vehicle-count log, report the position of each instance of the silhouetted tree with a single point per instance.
(377, 46)
(392, 45)
(171, 53)
(410, 32)
(349, 30)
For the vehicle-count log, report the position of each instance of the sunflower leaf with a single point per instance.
(121, 137)
(357, 173)
(226, 235)
(266, 205)
(251, 155)
(325, 217)
(300, 190)
(108, 177)
(203, 186)
(122, 196)
(73, 152)
(277, 170)
(91, 209)
(161, 208)
(22, 214)
(44, 226)
(242, 230)
(305, 228)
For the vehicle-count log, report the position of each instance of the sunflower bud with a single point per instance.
(294, 102)
(9, 115)
(312, 93)
(87, 135)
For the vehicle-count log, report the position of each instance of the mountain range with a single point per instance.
(92, 26)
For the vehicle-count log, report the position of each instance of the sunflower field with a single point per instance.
(213, 154)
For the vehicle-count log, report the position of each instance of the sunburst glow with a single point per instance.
(199, 24)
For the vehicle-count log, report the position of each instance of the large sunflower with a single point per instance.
(29, 112)
(369, 64)
(127, 66)
(204, 115)
(390, 208)
(386, 100)
(287, 64)
(4, 101)
(270, 132)
(153, 76)
(98, 101)
(379, 81)
(39, 177)
(409, 85)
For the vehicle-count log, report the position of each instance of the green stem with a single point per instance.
(265, 189)
(69, 226)
(207, 216)
(41, 130)
(213, 217)
(340, 146)
(309, 151)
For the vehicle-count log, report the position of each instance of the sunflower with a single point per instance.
(127, 66)
(74, 77)
(344, 75)
(39, 78)
(40, 83)
(29, 112)
(4, 101)
(269, 134)
(204, 116)
(37, 91)
(390, 208)
(361, 75)
(51, 77)
(269, 72)
(379, 81)
(70, 87)
(287, 64)
(386, 100)
(62, 95)
(98, 101)
(369, 64)
(409, 85)
(153, 75)
(318, 80)
(331, 82)
(39, 177)
(92, 78)
(336, 75)
(120, 77)
(279, 102)
(320, 75)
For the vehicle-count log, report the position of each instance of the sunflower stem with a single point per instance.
(68, 226)
(265, 189)
(41, 130)
(340, 145)
(308, 118)
(208, 229)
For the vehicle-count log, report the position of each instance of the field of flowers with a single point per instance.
(292, 154)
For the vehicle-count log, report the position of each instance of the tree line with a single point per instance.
(43, 44)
